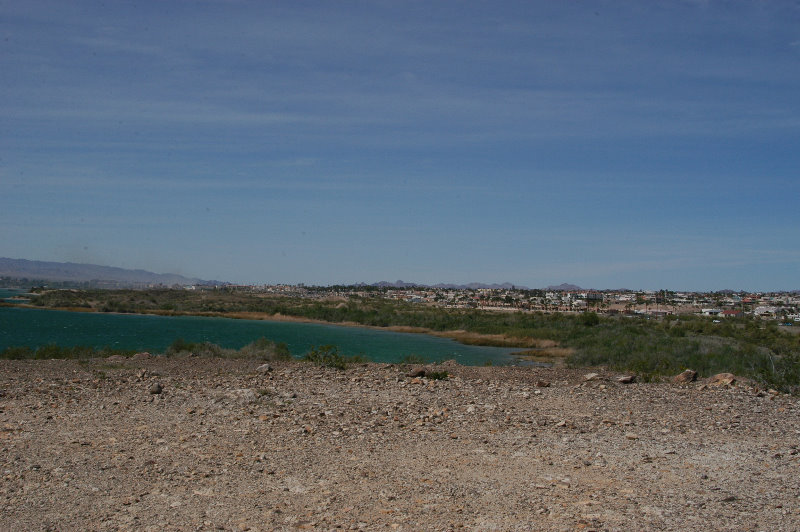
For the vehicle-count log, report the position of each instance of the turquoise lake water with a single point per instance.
(34, 328)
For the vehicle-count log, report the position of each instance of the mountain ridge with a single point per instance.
(72, 272)
(88, 273)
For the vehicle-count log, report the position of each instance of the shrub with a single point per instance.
(412, 359)
(326, 356)
(590, 319)
(53, 351)
(265, 349)
(17, 353)
(182, 346)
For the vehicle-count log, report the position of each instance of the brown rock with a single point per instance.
(591, 376)
(686, 377)
(144, 355)
(156, 388)
(626, 379)
(722, 379)
(418, 372)
(542, 384)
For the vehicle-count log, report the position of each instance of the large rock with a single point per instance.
(264, 368)
(722, 379)
(686, 377)
(626, 379)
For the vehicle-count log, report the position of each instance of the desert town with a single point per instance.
(781, 306)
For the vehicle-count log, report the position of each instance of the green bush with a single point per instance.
(182, 346)
(265, 349)
(53, 351)
(326, 356)
(412, 359)
(17, 353)
(590, 319)
(261, 349)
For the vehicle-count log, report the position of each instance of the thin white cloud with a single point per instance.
(108, 44)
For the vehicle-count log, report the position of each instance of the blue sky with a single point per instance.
(610, 144)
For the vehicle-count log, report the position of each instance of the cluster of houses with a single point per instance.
(784, 306)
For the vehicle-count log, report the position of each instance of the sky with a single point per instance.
(608, 144)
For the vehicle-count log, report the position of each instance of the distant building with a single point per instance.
(732, 313)
(765, 310)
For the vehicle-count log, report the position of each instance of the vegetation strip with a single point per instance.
(650, 347)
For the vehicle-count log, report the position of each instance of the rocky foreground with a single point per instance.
(199, 444)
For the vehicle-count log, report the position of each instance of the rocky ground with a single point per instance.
(92, 446)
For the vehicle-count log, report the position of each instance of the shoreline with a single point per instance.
(550, 349)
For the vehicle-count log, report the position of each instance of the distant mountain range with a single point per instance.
(112, 277)
(91, 273)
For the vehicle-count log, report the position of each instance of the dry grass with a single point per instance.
(407, 329)
(550, 355)
(549, 352)
(69, 309)
(495, 340)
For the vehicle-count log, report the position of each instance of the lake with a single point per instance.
(35, 327)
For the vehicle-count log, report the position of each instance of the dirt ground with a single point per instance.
(224, 445)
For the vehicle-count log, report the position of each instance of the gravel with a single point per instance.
(225, 445)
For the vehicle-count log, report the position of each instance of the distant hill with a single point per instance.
(564, 287)
(475, 286)
(91, 273)
(396, 284)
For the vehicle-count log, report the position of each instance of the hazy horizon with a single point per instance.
(483, 283)
(607, 144)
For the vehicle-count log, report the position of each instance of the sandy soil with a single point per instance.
(89, 446)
